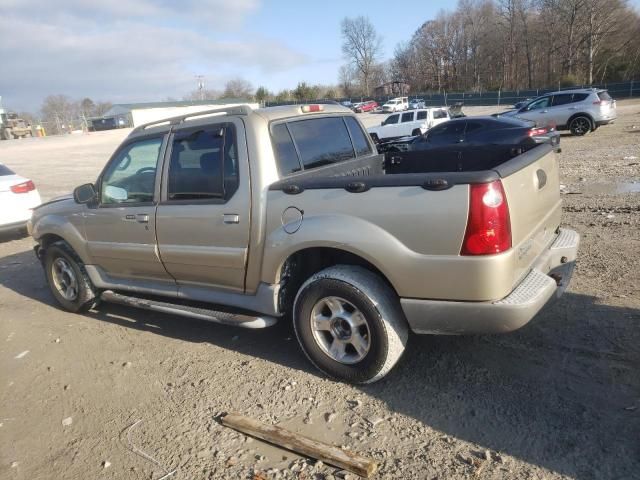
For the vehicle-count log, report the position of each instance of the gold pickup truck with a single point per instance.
(244, 217)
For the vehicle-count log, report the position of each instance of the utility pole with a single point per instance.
(200, 84)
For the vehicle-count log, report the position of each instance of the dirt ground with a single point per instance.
(558, 399)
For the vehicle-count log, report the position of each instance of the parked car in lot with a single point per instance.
(417, 103)
(18, 197)
(368, 106)
(480, 137)
(413, 122)
(243, 216)
(398, 104)
(346, 103)
(579, 111)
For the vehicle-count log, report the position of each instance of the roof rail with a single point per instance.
(177, 120)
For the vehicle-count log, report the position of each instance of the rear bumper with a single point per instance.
(548, 279)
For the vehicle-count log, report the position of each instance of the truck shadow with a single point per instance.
(562, 393)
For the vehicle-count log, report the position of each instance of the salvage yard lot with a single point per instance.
(558, 399)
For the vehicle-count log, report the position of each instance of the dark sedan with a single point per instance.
(477, 135)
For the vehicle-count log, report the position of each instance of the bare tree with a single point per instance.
(361, 46)
(238, 88)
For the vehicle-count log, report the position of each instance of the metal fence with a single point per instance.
(501, 97)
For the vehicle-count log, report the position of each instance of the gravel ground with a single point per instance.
(557, 399)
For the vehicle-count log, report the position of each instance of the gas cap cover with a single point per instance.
(292, 219)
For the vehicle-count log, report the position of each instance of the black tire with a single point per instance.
(580, 125)
(416, 132)
(62, 267)
(384, 329)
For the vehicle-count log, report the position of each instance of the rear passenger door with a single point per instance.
(407, 124)
(561, 109)
(203, 218)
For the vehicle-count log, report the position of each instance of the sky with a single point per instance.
(148, 50)
(144, 50)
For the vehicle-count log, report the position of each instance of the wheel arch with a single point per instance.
(302, 264)
(576, 115)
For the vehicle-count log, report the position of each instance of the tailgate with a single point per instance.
(532, 186)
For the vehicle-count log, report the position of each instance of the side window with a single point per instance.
(422, 115)
(286, 155)
(407, 117)
(322, 141)
(538, 104)
(438, 114)
(360, 142)
(203, 165)
(471, 126)
(579, 97)
(392, 119)
(562, 99)
(130, 178)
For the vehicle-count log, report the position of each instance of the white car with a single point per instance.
(413, 122)
(398, 104)
(18, 197)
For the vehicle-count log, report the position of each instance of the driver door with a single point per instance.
(121, 226)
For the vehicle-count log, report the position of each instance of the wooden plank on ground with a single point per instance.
(295, 442)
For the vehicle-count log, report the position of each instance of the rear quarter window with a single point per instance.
(4, 171)
(604, 96)
(286, 155)
(360, 142)
(579, 97)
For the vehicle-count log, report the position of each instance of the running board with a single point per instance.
(225, 318)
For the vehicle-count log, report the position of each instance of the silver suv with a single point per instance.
(580, 110)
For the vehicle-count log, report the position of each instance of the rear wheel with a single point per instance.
(580, 125)
(67, 278)
(350, 324)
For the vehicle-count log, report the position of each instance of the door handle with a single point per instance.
(231, 218)
(143, 218)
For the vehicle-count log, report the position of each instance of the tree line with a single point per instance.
(502, 44)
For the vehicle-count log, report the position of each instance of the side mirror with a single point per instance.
(84, 193)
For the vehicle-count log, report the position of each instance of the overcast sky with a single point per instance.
(146, 50)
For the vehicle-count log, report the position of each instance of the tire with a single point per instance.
(68, 279)
(363, 352)
(580, 125)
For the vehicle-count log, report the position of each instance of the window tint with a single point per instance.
(603, 96)
(422, 115)
(5, 171)
(203, 164)
(578, 97)
(562, 99)
(407, 117)
(322, 141)
(447, 128)
(474, 125)
(130, 178)
(392, 119)
(437, 114)
(360, 142)
(286, 155)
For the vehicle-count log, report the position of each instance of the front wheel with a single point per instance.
(67, 278)
(350, 324)
(580, 126)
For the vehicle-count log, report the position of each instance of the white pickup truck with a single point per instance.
(397, 104)
(414, 122)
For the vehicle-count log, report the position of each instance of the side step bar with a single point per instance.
(225, 318)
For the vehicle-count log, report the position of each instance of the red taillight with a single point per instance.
(488, 227)
(538, 131)
(602, 103)
(23, 187)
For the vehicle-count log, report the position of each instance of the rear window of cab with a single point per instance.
(314, 142)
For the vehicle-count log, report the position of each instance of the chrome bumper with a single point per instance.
(548, 278)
